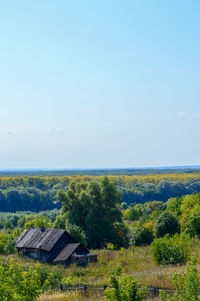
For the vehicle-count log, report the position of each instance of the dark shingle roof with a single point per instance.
(67, 252)
(34, 238)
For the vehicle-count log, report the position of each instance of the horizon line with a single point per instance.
(102, 168)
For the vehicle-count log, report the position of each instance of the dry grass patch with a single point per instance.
(77, 296)
(137, 262)
(71, 296)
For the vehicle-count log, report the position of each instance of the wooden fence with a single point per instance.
(152, 291)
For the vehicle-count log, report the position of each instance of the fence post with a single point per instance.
(61, 287)
(85, 289)
(154, 291)
(104, 287)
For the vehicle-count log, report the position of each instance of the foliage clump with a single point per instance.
(186, 285)
(171, 250)
(140, 236)
(174, 206)
(166, 223)
(23, 284)
(94, 208)
(77, 233)
(193, 225)
(132, 214)
(7, 244)
(124, 289)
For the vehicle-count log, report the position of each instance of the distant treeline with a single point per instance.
(38, 193)
(99, 172)
(159, 192)
(27, 199)
(19, 218)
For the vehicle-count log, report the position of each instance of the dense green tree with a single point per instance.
(39, 221)
(140, 236)
(77, 233)
(60, 221)
(174, 205)
(193, 225)
(155, 206)
(94, 208)
(131, 214)
(166, 223)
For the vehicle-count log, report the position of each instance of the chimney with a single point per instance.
(42, 229)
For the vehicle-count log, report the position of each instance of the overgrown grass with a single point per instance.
(137, 262)
(72, 296)
(77, 296)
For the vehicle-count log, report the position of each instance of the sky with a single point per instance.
(99, 84)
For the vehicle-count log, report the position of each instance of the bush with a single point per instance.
(171, 250)
(124, 289)
(3, 242)
(9, 247)
(174, 205)
(132, 214)
(166, 223)
(7, 244)
(140, 237)
(117, 270)
(18, 283)
(186, 286)
(193, 225)
(39, 221)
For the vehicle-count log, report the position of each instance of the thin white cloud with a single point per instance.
(181, 114)
(195, 115)
(55, 129)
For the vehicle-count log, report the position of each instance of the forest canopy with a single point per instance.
(38, 193)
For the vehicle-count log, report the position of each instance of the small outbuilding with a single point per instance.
(53, 246)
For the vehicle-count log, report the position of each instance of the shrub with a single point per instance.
(171, 250)
(193, 225)
(3, 242)
(166, 223)
(174, 205)
(9, 247)
(117, 270)
(124, 289)
(39, 221)
(7, 244)
(18, 283)
(140, 237)
(132, 214)
(186, 286)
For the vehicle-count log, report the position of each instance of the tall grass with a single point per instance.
(77, 296)
(71, 296)
(137, 262)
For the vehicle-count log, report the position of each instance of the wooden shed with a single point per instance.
(53, 246)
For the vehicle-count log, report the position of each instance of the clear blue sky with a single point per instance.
(99, 83)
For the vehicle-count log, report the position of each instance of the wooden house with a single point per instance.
(53, 246)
